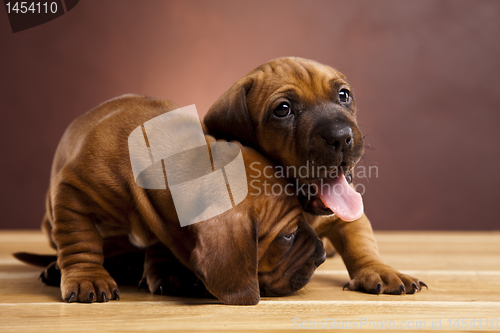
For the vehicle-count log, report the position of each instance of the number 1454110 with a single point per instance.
(23, 7)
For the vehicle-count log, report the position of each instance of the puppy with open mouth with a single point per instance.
(261, 245)
(299, 113)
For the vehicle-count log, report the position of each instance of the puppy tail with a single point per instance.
(35, 259)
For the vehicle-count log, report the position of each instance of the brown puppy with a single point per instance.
(302, 113)
(263, 243)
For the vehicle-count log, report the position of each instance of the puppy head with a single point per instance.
(289, 255)
(261, 246)
(297, 112)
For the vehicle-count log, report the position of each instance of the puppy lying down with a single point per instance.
(262, 245)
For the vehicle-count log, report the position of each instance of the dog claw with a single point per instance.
(402, 290)
(422, 284)
(117, 294)
(379, 288)
(142, 284)
(71, 297)
(346, 286)
(105, 297)
(161, 290)
(91, 297)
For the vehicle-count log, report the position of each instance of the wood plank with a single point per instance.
(461, 269)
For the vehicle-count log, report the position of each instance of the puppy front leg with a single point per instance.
(165, 275)
(355, 242)
(80, 258)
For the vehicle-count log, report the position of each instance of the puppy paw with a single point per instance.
(88, 286)
(51, 275)
(383, 279)
(174, 281)
(160, 284)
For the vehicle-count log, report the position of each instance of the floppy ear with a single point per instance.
(225, 258)
(228, 117)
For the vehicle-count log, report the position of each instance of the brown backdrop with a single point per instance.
(425, 73)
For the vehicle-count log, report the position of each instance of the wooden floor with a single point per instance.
(462, 271)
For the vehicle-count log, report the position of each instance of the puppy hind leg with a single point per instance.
(51, 276)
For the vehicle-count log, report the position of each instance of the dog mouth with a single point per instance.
(317, 207)
(332, 195)
(297, 281)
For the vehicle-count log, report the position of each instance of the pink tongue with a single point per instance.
(337, 195)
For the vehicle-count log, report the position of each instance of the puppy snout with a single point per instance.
(339, 138)
(319, 261)
(319, 254)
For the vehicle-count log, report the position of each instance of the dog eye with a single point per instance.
(344, 96)
(282, 110)
(289, 237)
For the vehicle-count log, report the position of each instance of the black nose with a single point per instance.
(320, 260)
(319, 253)
(339, 138)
